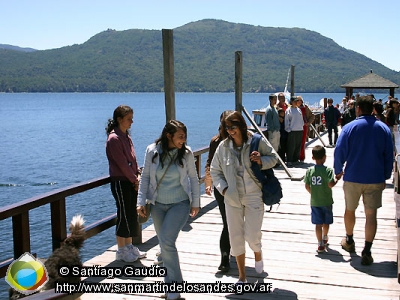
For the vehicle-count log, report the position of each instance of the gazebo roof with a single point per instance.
(370, 81)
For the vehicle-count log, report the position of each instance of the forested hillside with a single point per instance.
(131, 61)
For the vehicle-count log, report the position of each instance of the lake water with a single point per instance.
(51, 141)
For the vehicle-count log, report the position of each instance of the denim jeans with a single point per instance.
(168, 220)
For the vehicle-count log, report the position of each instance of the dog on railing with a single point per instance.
(67, 255)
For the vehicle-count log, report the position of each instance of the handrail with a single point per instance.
(396, 182)
(19, 212)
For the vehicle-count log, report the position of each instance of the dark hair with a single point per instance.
(171, 127)
(221, 130)
(272, 96)
(365, 103)
(318, 152)
(120, 112)
(392, 101)
(378, 107)
(330, 100)
(236, 118)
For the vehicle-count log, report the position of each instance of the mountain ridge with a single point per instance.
(16, 48)
(132, 61)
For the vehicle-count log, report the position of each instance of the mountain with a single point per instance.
(16, 48)
(204, 52)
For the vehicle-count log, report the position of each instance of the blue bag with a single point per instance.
(271, 187)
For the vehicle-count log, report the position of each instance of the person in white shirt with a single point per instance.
(294, 126)
(343, 106)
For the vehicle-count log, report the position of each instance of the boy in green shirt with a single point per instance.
(319, 181)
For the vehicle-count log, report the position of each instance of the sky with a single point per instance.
(367, 27)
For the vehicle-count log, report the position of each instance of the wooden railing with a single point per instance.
(396, 181)
(19, 212)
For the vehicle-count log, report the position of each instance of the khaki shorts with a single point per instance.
(372, 195)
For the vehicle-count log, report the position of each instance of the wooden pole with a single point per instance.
(292, 81)
(21, 234)
(238, 80)
(391, 92)
(58, 222)
(168, 55)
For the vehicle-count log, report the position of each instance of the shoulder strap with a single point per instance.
(170, 162)
(255, 141)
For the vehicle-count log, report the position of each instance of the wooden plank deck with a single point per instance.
(291, 263)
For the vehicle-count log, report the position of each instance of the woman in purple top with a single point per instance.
(125, 176)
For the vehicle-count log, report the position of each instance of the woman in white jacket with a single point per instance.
(232, 176)
(170, 182)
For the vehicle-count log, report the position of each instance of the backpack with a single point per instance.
(271, 187)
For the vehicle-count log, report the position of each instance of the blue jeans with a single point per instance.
(168, 221)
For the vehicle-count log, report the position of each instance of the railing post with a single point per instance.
(137, 238)
(58, 222)
(21, 234)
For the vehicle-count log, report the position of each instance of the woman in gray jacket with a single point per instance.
(170, 182)
(232, 176)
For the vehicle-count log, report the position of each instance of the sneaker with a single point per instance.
(259, 265)
(325, 240)
(367, 260)
(349, 248)
(125, 255)
(136, 251)
(321, 249)
(240, 282)
(158, 260)
(289, 164)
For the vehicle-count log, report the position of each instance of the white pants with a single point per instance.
(274, 138)
(244, 224)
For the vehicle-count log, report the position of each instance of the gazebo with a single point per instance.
(370, 81)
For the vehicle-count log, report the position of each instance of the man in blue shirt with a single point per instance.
(272, 122)
(366, 146)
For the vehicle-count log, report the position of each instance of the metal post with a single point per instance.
(292, 81)
(268, 143)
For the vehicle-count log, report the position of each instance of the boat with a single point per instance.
(258, 115)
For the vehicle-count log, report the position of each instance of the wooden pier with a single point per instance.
(292, 266)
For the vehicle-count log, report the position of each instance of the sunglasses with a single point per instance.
(233, 127)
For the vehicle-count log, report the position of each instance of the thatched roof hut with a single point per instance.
(370, 81)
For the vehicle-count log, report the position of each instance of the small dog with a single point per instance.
(67, 255)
